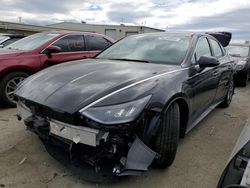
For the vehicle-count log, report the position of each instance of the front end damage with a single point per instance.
(126, 145)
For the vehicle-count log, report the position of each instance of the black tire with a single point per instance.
(244, 81)
(228, 98)
(166, 141)
(4, 99)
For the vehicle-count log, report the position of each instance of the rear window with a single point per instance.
(96, 43)
(216, 48)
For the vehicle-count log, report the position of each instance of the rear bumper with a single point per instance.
(130, 155)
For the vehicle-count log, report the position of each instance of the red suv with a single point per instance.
(36, 52)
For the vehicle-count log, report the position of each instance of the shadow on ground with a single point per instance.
(83, 170)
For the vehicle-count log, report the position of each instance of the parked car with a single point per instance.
(237, 171)
(36, 52)
(241, 54)
(133, 101)
(6, 39)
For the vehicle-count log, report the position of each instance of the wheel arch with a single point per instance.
(16, 69)
(183, 103)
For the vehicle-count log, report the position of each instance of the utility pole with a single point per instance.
(20, 19)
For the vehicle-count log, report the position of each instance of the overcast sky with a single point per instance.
(198, 15)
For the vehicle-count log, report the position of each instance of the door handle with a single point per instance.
(84, 56)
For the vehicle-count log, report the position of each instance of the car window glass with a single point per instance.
(202, 48)
(216, 48)
(71, 43)
(154, 49)
(96, 42)
(32, 42)
(10, 41)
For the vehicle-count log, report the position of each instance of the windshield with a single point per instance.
(31, 42)
(241, 51)
(153, 49)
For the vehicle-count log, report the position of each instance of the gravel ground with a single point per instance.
(201, 156)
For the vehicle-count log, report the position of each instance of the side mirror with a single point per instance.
(53, 49)
(206, 61)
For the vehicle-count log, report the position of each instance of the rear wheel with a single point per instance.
(166, 141)
(244, 81)
(228, 98)
(8, 85)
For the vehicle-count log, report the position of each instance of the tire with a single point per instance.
(244, 81)
(166, 141)
(228, 98)
(8, 84)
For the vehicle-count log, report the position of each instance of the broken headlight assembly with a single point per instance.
(116, 114)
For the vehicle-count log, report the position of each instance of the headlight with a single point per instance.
(116, 114)
(240, 65)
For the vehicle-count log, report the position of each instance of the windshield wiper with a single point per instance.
(136, 60)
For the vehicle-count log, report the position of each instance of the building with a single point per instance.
(114, 31)
(21, 29)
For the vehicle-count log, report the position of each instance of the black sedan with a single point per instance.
(241, 54)
(132, 102)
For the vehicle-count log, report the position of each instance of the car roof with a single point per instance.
(176, 34)
(63, 32)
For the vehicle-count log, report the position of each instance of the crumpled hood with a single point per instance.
(71, 86)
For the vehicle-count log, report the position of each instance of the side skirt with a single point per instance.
(202, 116)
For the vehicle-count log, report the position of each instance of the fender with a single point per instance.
(151, 129)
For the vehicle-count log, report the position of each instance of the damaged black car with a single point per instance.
(131, 103)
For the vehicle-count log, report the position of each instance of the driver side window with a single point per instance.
(202, 49)
(71, 43)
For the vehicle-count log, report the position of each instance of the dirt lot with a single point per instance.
(200, 159)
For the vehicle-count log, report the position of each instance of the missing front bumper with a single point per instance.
(139, 157)
(130, 155)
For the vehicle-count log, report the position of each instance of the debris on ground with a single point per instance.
(22, 161)
(212, 131)
(229, 115)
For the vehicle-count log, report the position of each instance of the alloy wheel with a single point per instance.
(230, 92)
(11, 87)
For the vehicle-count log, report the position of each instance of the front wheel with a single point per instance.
(166, 140)
(8, 85)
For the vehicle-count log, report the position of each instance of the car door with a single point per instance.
(201, 82)
(72, 48)
(223, 72)
(95, 44)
